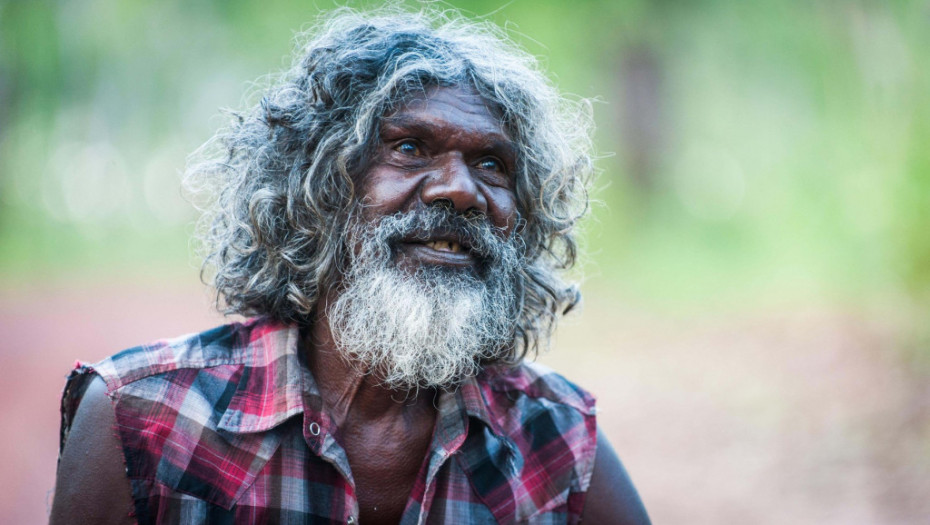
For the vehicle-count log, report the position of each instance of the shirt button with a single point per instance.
(315, 428)
(351, 520)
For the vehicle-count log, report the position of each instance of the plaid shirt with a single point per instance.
(228, 426)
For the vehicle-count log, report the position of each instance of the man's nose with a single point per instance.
(453, 181)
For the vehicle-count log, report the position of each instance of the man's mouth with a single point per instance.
(451, 252)
(444, 246)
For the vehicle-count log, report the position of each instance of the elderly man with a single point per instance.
(392, 217)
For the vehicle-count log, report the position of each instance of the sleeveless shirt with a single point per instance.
(228, 426)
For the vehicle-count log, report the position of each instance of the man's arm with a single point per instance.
(92, 486)
(611, 497)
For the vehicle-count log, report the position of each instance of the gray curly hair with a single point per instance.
(281, 178)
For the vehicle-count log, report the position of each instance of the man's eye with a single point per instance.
(407, 147)
(491, 164)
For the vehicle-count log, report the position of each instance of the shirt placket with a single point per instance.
(318, 432)
(448, 436)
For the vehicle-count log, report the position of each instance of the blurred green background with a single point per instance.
(755, 151)
(759, 159)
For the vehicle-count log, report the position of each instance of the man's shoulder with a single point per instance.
(540, 411)
(538, 383)
(254, 342)
(179, 403)
(542, 440)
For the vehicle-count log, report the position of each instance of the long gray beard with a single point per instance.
(431, 327)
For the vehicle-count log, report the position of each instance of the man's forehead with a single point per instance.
(460, 105)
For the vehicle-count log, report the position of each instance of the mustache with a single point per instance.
(473, 232)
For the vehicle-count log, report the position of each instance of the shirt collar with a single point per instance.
(470, 409)
(275, 385)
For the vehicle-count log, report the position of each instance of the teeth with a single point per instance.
(445, 246)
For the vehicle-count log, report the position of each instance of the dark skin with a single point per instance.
(445, 146)
(385, 434)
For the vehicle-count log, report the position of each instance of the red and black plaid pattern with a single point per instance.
(228, 426)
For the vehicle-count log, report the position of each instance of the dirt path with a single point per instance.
(804, 417)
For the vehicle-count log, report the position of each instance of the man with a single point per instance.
(393, 215)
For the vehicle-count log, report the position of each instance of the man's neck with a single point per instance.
(351, 392)
(385, 433)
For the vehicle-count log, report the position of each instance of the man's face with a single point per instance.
(430, 290)
(444, 147)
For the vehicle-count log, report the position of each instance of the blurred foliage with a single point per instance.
(754, 152)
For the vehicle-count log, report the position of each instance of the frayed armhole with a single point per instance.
(75, 387)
